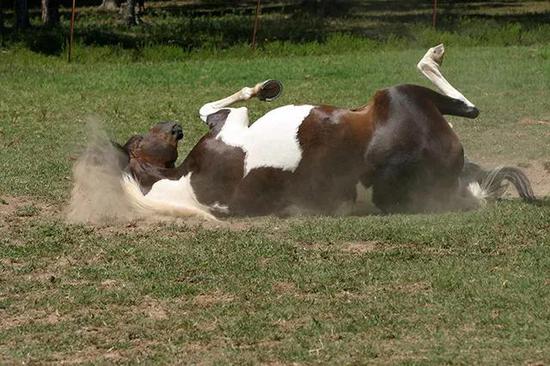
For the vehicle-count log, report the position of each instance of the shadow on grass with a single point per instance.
(213, 24)
(541, 202)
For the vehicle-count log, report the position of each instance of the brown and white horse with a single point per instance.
(315, 159)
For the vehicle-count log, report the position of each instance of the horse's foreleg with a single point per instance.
(430, 64)
(244, 94)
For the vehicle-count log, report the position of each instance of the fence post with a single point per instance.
(71, 34)
(434, 13)
(256, 23)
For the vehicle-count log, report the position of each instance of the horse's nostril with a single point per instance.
(177, 131)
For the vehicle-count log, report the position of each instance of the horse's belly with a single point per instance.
(272, 140)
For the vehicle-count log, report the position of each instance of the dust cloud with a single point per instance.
(97, 195)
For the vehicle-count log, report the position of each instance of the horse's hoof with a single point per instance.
(270, 90)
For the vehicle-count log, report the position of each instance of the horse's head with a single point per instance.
(158, 147)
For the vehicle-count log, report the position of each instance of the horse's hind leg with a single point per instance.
(430, 64)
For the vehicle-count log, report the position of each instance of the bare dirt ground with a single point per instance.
(19, 208)
(538, 173)
(16, 210)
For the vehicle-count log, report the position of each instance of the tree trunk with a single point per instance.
(1, 21)
(131, 18)
(322, 8)
(317, 7)
(50, 12)
(110, 4)
(21, 14)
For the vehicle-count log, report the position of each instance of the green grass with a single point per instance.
(460, 288)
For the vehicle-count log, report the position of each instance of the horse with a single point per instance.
(316, 158)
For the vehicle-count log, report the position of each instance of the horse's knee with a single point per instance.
(207, 110)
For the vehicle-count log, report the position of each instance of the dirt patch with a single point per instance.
(18, 208)
(531, 121)
(90, 355)
(362, 247)
(535, 363)
(284, 287)
(110, 284)
(359, 247)
(153, 309)
(413, 287)
(371, 291)
(291, 325)
(212, 298)
(49, 272)
(269, 344)
(41, 317)
(349, 296)
(538, 172)
(15, 210)
(313, 246)
(11, 264)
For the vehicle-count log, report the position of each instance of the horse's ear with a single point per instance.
(131, 146)
(215, 121)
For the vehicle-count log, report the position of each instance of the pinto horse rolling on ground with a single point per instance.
(314, 159)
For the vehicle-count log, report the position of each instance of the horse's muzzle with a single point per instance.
(177, 131)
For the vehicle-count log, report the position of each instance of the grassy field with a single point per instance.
(458, 288)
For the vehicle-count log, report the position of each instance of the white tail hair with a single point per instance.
(166, 198)
(479, 193)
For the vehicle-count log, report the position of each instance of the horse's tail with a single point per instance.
(162, 206)
(491, 183)
(494, 182)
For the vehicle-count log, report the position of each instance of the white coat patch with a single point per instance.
(271, 141)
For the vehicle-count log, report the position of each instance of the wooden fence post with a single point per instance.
(256, 23)
(71, 34)
(434, 13)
